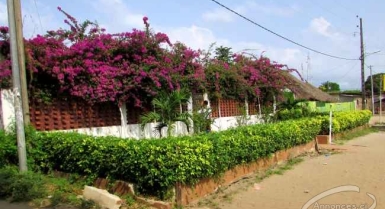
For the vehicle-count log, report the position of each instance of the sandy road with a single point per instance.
(361, 164)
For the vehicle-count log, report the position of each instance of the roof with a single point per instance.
(304, 90)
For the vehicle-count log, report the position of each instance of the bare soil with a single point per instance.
(359, 162)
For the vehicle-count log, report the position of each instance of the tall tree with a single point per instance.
(329, 86)
(376, 83)
(224, 54)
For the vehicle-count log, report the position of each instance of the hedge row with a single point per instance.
(156, 165)
(343, 121)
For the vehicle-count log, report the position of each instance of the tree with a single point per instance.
(376, 83)
(224, 54)
(167, 111)
(329, 86)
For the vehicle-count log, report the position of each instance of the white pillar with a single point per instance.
(247, 107)
(190, 110)
(123, 119)
(8, 108)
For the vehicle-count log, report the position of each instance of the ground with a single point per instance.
(361, 163)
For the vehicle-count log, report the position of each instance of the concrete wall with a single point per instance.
(325, 107)
(127, 130)
(7, 108)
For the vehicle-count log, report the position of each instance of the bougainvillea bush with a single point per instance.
(87, 62)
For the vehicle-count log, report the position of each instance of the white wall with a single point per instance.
(224, 123)
(8, 108)
(130, 131)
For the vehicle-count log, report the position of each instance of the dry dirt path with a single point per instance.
(361, 164)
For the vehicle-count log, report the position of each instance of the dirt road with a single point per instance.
(360, 166)
(7, 205)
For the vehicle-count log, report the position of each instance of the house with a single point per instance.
(304, 90)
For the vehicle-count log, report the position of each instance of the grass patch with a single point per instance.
(351, 135)
(279, 170)
(41, 190)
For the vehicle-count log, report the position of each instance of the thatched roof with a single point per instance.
(304, 90)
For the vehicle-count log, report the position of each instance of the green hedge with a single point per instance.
(343, 121)
(156, 165)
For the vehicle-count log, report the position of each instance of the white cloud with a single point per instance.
(201, 38)
(194, 36)
(118, 16)
(321, 26)
(218, 15)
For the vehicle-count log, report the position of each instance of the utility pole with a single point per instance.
(371, 84)
(307, 68)
(16, 88)
(302, 70)
(362, 67)
(21, 55)
(381, 87)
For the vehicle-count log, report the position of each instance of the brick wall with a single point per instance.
(64, 114)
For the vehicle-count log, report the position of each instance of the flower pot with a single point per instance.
(322, 139)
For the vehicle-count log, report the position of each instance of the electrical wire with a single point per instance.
(315, 3)
(38, 15)
(347, 72)
(287, 39)
(312, 16)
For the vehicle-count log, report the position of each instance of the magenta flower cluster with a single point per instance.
(88, 63)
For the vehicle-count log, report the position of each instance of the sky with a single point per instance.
(329, 26)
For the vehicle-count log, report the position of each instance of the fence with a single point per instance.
(326, 107)
(109, 119)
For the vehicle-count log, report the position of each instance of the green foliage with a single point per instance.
(343, 121)
(155, 165)
(8, 149)
(201, 121)
(20, 186)
(355, 92)
(267, 115)
(167, 111)
(330, 87)
(224, 54)
(377, 78)
(242, 119)
(7, 175)
(292, 109)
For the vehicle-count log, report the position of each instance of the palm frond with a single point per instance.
(149, 117)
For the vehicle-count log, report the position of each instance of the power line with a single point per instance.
(315, 3)
(341, 28)
(287, 39)
(312, 16)
(38, 15)
(347, 72)
(344, 7)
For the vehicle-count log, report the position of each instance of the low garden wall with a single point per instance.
(186, 194)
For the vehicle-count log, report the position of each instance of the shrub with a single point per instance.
(27, 186)
(8, 149)
(7, 175)
(343, 121)
(156, 165)
(20, 186)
